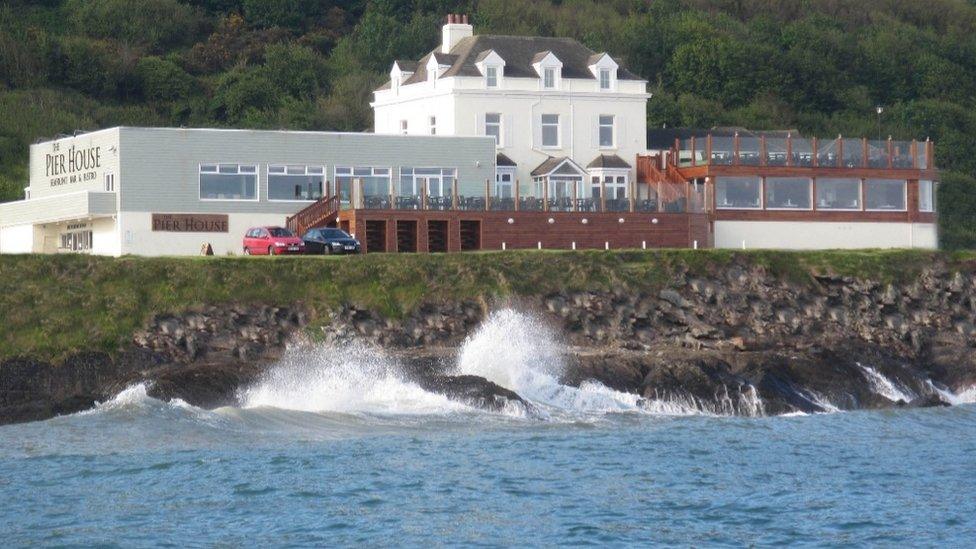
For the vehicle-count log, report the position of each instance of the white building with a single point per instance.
(559, 112)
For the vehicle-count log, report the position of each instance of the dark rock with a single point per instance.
(473, 391)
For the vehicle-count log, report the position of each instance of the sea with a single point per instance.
(336, 447)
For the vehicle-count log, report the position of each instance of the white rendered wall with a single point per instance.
(824, 235)
(462, 102)
(138, 238)
(17, 239)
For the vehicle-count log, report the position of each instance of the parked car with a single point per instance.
(272, 241)
(328, 240)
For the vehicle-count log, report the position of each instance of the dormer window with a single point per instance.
(549, 69)
(491, 77)
(604, 69)
(492, 67)
(549, 78)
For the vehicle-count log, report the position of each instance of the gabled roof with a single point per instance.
(406, 65)
(562, 164)
(519, 53)
(502, 160)
(537, 58)
(608, 161)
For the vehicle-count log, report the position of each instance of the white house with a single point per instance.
(561, 114)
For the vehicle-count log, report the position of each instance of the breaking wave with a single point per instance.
(346, 379)
(515, 350)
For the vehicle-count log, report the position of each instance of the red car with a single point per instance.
(272, 241)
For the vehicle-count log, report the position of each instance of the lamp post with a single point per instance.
(879, 109)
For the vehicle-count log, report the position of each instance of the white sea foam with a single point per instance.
(966, 396)
(348, 379)
(520, 352)
(886, 387)
(135, 397)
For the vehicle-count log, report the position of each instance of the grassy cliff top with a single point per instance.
(51, 306)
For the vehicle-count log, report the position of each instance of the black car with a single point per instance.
(330, 241)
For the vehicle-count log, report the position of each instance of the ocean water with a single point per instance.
(334, 447)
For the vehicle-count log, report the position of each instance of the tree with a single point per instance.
(154, 24)
(162, 80)
(297, 70)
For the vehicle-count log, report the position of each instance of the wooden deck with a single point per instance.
(455, 231)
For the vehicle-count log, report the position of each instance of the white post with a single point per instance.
(643, 244)
(695, 245)
(606, 245)
(503, 246)
(743, 244)
(540, 245)
(574, 245)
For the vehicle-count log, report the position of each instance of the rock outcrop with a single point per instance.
(739, 341)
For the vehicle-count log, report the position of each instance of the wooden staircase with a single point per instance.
(320, 214)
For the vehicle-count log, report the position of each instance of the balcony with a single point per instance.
(840, 153)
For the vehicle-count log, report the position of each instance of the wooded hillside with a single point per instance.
(821, 66)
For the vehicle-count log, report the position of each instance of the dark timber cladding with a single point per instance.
(455, 231)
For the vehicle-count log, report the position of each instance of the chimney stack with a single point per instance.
(456, 29)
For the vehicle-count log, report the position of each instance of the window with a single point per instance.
(926, 196)
(884, 194)
(439, 181)
(616, 186)
(604, 79)
(433, 125)
(493, 127)
(376, 181)
(110, 182)
(742, 193)
(504, 180)
(838, 194)
(549, 78)
(550, 130)
(491, 77)
(606, 131)
(76, 241)
(295, 182)
(228, 182)
(788, 193)
(403, 127)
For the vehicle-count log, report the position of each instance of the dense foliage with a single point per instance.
(817, 65)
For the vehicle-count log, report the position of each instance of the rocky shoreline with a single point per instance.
(741, 342)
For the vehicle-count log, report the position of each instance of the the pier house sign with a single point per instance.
(190, 223)
(75, 165)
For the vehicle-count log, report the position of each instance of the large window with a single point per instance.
(295, 182)
(616, 186)
(76, 241)
(493, 127)
(549, 78)
(550, 130)
(376, 181)
(741, 193)
(884, 194)
(228, 182)
(604, 79)
(606, 130)
(439, 181)
(926, 196)
(491, 77)
(838, 194)
(788, 193)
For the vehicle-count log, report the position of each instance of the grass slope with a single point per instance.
(51, 306)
